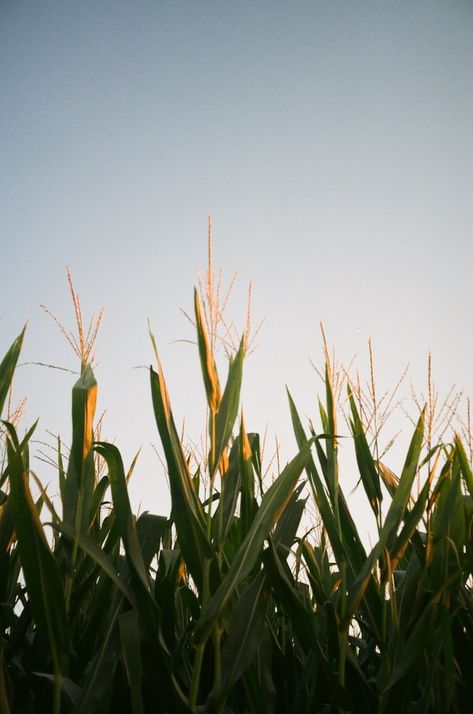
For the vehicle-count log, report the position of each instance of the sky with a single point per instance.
(332, 144)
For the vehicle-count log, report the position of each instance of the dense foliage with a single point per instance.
(223, 606)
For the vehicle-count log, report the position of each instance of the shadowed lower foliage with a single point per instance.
(223, 606)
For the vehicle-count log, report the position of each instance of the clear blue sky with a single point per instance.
(331, 141)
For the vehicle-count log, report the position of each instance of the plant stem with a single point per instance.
(194, 690)
(217, 637)
(199, 655)
(57, 693)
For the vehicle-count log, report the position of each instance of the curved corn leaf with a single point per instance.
(272, 505)
(387, 536)
(224, 516)
(88, 545)
(465, 466)
(286, 529)
(244, 635)
(287, 592)
(146, 605)
(150, 529)
(98, 676)
(248, 503)
(129, 628)
(7, 367)
(42, 576)
(79, 483)
(366, 465)
(187, 511)
(228, 409)
(207, 361)
(122, 509)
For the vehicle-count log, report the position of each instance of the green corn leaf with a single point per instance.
(244, 634)
(150, 529)
(88, 546)
(7, 367)
(122, 509)
(387, 536)
(22, 447)
(79, 483)
(448, 529)
(97, 501)
(331, 431)
(273, 503)
(321, 577)
(187, 511)
(165, 590)
(286, 529)
(42, 576)
(98, 675)
(287, 592)
(129, 627)
(146, 604)
(417, 643)
(246, 455)
(411, 521)
(228, 409)
(403, 491)
(342, 533)
(367, 468)
(207, 361)
(224, 516)
(465, 466)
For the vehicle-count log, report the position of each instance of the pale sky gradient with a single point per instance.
(331, 141)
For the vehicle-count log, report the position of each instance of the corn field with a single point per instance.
(224, 605)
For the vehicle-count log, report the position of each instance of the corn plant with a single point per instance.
(224, 605)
